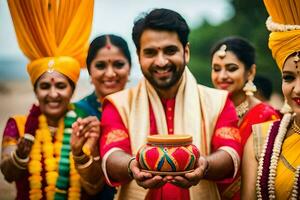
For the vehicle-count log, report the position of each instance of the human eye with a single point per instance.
(61, 85)
(171, 50)
(232, 68)
(288, 78)
(119, 64)
(216, 68)
(100, 65)
(149, 52)
(44, 86)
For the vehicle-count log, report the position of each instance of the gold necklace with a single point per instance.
(242, 108)
(295, 127)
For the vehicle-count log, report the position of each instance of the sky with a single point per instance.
(112, 16)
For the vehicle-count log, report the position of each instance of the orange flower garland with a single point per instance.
(43, 146)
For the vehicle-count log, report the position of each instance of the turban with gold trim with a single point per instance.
(65, 65)
(284, 22)
(53, 34)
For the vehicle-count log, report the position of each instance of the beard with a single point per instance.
(164, 83)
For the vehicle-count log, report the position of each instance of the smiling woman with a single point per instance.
(233, 69)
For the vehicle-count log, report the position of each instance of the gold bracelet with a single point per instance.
(79, 158)
(85, 165)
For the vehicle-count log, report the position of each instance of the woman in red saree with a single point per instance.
(233, 69)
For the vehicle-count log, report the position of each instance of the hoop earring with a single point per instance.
(249, 88)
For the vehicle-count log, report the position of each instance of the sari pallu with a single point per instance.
(262, 112)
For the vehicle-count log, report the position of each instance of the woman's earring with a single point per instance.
(249, 88)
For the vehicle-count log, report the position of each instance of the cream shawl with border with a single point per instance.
(197, 109)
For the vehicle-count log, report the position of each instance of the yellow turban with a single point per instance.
(65, 65)
(283, 44)
(284, 22)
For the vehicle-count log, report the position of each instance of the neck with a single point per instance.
(52, 122)
(238, 98)
(170, 92)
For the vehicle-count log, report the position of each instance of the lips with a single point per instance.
(161, 72)
(224, 85)
(297, 100)
(110, 83)
(53, 104)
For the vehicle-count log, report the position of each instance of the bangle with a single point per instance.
(19, 166)
(20, 160)
(128, 167)
(206, 168)
(96, 158)
(29, 137)
(86, 165)
(79, 158)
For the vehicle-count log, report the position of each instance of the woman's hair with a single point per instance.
(101, 41)
(241, 47)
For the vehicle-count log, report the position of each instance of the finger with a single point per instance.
(95, 125)
(181, 182)
(154, 182)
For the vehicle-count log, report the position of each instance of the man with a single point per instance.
(167, 101)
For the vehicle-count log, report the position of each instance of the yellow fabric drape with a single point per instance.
(283, 44)
(284, 11)
(50, 28)
(285, 177)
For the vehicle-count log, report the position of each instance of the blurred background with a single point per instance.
(209, 21)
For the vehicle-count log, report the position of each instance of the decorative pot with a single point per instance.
(168, 154)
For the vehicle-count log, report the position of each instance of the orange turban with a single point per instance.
(284, 22)
(65, 65)
(283, 44)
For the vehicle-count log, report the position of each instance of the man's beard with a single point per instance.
(167, 83)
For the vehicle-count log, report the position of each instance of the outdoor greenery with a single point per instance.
(248, 22)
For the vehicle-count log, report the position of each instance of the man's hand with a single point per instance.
(145, 179)
(192, 178)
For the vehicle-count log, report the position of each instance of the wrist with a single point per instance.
(130, 174)
(206, 169)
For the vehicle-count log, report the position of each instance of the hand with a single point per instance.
(85, 130)
(23, 148)
(145, 179)
(192, 178)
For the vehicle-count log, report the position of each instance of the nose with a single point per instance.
(297, 86)
(223, 75)
(160, 60)
(53, 92)
(110, 72)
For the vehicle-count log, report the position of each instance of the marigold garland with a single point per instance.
(266, 173)
(54, 156)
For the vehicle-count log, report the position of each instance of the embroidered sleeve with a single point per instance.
(227, 136)
(10, 137)
(114, 137)
(114, 134)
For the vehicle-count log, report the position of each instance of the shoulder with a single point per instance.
(213, 91)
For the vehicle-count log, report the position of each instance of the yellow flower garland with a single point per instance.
(43, 146)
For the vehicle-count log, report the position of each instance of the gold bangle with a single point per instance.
(85, 165)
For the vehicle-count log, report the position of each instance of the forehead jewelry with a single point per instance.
(51, 66)
(222, 51)
(296, 57)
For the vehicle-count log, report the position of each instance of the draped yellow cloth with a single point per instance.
(286, 41)
(50, 28)
(284, 44)
(285, 177)
(284, 11)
